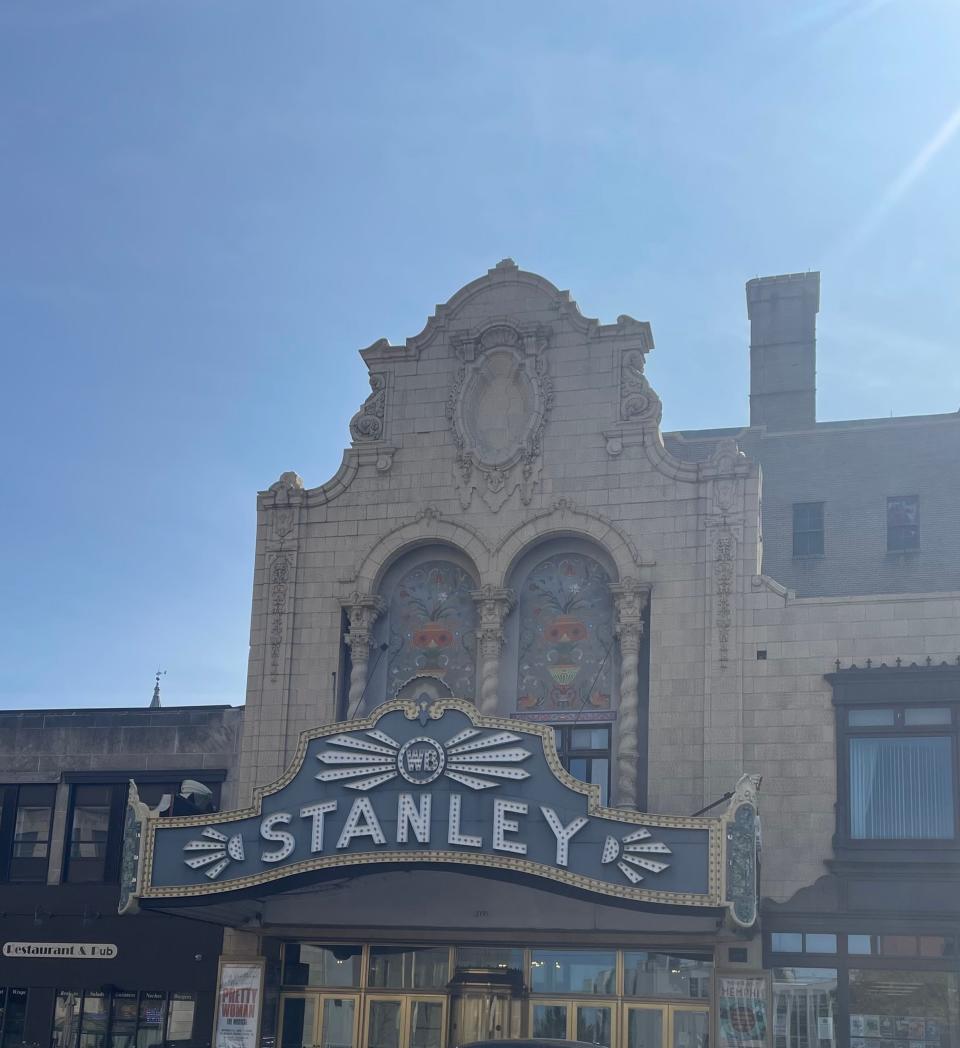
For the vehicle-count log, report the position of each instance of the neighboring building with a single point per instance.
(673, 613)
(69, 961)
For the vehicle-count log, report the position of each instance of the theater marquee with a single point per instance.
(435, 783)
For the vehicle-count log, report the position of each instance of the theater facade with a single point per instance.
(560, 726)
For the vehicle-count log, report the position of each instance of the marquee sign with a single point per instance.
(434, 782)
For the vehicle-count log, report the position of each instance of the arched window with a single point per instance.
(429, 626)
(560, 659)
(565, 619)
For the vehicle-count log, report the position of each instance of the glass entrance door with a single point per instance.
(666, 1026)
(405, 1022)
(316, 1020)
(574, 1021)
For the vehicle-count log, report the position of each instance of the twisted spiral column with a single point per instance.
(490, 647)
(493, 605)
(628, 721)
(362, 609)
(630, 599)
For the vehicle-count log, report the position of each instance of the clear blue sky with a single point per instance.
(208, 207)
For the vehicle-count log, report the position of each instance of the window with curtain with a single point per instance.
(901, 773)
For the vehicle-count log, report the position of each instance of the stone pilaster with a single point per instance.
(363, 610)
(493, 606)
(630, 598)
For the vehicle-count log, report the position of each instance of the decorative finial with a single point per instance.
(155, 701)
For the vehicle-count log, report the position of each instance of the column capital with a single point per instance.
(630, 599)
(493, 606)
(363, 610)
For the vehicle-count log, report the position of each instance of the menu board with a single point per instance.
(180, 1016)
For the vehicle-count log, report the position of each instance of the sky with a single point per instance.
(208, 206)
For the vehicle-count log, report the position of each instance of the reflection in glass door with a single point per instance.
(384, 1024)
(338, 1022)
(574, 1020)
(594, 1024)
(645, 1027)
(318, 1021)
(690, 1026)
(405, 1022)
(549, 1021)
(666, 1026)
(298, 1015)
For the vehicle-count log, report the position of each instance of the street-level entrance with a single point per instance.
(319, 1020)
(442, 997)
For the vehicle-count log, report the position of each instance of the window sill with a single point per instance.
(809, 556)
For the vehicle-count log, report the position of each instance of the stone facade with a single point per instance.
(512, 421)
(510, 526)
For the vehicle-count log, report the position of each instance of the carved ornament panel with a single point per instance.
(498, 406)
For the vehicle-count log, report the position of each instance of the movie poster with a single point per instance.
(238, 1004)
(743, 1012)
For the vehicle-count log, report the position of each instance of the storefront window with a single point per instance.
(123, 1020)
(120, 1019)
(805, 1008)
(406, 968)
(666, 975)
(573, 971)
(914, 1007)
(306, 964)
(94, 1019)
(153, 1013)
(13, 1010)
(66, 1019)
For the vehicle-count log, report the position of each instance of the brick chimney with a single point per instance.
(783, 350)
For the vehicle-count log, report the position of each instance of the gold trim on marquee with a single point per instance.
(714, 897)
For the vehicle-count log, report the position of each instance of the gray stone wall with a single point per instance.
(39, 745)
(852, 467)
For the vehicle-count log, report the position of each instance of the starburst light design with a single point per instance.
(217, 849)
(473, 758)
(628, 854)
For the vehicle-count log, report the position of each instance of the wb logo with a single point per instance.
(421, 760)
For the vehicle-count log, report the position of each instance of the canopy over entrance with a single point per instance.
(434, 786)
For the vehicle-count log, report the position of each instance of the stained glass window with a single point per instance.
(432, 619)
(566, 631)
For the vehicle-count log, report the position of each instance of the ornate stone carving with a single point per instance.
(743, 841)
(281, 572)
(367, 424)
(363, 610)
(493, 606)
(497, 406)
(724, 572)
(630, 599)
(725, 470)
(638, 402)
(288, 488)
